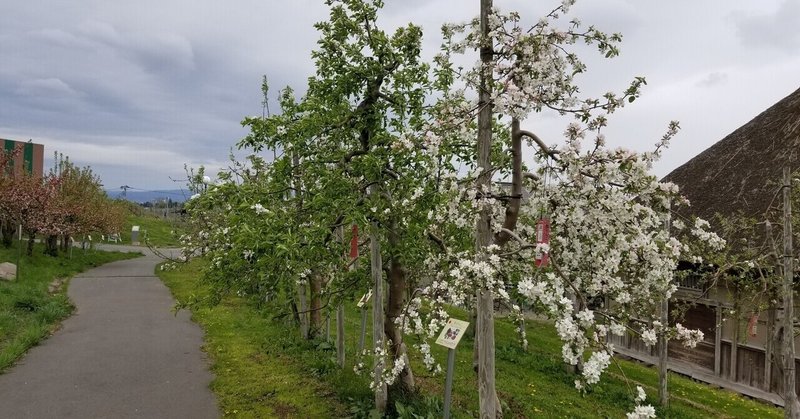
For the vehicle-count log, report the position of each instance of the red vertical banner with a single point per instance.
(542, 237)
(354, 243)
(752, 325)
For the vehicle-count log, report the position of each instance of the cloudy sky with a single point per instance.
(137, 90)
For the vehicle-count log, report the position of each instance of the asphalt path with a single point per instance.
(123, 354)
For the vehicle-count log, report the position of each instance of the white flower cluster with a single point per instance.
(389, 375)
(689, 337)
(259, 209)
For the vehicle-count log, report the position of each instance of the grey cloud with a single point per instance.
(149, 85)
(771, 30)
(713, 79)
(52, 87)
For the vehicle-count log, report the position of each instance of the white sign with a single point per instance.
(135, 228)
(364, 299)
(452, 333)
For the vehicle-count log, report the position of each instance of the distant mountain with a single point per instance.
(176, 195)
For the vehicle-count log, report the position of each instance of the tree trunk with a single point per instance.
(394, 311)
(51, 245)
(8, 231)
(376, 270)
(31, 239)
(791, 407)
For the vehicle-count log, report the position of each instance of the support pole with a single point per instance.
(718, 343)
(363, 329)
(448, 386)
(791, 408)
(340, 335)
(663, 342)
(376, 270)
(769, 350)
(663, 346)
(17, 275)
(340, 314)
(301, 296)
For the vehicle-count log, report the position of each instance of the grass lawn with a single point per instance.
(159, 230)
(258, 363)
(264, 370)
(28, 311)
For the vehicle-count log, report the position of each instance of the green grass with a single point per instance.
(159, 231)
(254, 355)
(28, 312)
(258, 364)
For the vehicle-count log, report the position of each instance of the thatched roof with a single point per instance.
(741, 172)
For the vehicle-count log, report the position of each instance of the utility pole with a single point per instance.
(791, 409)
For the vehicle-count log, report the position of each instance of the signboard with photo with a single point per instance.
(452, 333)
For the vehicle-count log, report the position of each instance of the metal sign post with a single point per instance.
(362, 304)
(451, 334)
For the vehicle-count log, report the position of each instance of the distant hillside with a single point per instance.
(176, 195)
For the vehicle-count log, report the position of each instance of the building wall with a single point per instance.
(30, 158)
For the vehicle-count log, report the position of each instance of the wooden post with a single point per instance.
(733, 373)
(328, 326)
(718, 343)
(768, 350)
(376, 270)
(663, 342)
(17, 271)
(363, 329)
(340, 312)
(302, 284)
(791, 408)
(489, 406)
(301, 296)
(663, 369)
(340, 335)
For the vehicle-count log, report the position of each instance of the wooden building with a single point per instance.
(29, 157)
(737, 175)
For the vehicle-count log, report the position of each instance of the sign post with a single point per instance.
(362, 304)
(451, 334)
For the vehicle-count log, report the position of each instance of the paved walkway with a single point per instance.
(123, 354)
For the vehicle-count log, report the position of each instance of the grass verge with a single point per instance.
(264, 370)
(29, 312)
(259, 365)
(159, 230)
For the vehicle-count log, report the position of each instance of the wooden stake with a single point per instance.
(663, 342)
(791, 408)
(489, 405)
(340, 313)
(376, 269)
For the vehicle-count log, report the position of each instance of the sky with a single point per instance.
(139, 89)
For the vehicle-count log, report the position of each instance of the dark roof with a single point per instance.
(741, 172)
